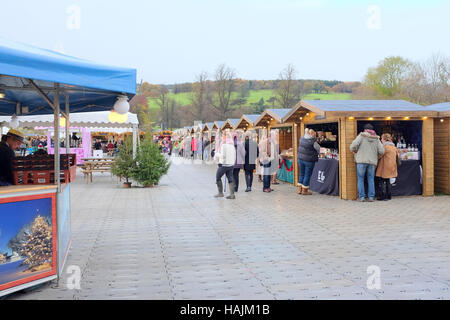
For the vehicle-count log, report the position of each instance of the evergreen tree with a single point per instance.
(151, 164)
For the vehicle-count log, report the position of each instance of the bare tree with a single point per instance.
(223, 88)
(200, 97)
(167, 107)
(437, 75)
(428, 82)
(289, 90)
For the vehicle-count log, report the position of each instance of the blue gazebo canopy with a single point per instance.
(88, 86)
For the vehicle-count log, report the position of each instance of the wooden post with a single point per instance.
(428, 157)
(347, 172)
(442, 155)
(294, 150)
(300, 133)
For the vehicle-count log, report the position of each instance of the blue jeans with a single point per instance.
(363, 170)
(306, 170)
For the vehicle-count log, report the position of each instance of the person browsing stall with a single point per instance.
(387, 168)
(367, 148)
(8, 145)
(308, 155)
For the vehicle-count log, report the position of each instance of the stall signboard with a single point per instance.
(325, 177)
(27, 239)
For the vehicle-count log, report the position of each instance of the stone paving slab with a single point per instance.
(176, 241)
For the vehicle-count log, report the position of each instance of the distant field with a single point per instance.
(255, 95)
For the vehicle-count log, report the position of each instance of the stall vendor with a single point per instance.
(12, 141)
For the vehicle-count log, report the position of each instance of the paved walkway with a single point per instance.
(177, 242)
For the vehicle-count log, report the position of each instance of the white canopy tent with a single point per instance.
(104, 121)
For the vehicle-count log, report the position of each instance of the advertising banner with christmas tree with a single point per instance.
(27, 239)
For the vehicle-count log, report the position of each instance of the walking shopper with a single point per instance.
(308, 155)
(387, 168)
(265, 159)
(276, 155)
(226, 157)
(240, 158)
(251, 154)
(367, 148)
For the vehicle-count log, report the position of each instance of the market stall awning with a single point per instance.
(208, 126)
(271, 114)
(364, 108)
(230, 124)
(198, 128)
(99, 119)
(442, 108)
(218, 124)
(88, 86)
(247, 120)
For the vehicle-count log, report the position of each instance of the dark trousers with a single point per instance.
(221, 171)
(249, 178)
(266, 177)
(236, 178)
(384, 188)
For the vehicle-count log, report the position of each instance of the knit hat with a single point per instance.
(16, 134)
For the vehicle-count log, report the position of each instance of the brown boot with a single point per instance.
(300, 189)
(305, 191)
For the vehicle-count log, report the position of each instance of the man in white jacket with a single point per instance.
(226, 157)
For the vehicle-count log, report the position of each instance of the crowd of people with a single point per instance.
(233, 152)
(109, 147)
(376, 162)
(164, 143)
(376, 159)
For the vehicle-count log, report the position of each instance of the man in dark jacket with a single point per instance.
(308, 154)
(12, 142)
(251, 154)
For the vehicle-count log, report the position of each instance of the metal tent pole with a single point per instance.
(134, 142)
(67, 126)
(56, 139)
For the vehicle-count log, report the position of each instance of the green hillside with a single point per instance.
(184, 98)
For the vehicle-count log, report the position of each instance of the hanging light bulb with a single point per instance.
(122, 106)
(115, 117)
(14, 123)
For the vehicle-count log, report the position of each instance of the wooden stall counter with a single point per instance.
(11, 190)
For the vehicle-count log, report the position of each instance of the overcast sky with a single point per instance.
(172, 41)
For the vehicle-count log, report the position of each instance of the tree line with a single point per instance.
(223, 95)
(423, 82)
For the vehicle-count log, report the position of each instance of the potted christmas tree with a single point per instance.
(124, 163)
(151, 165)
